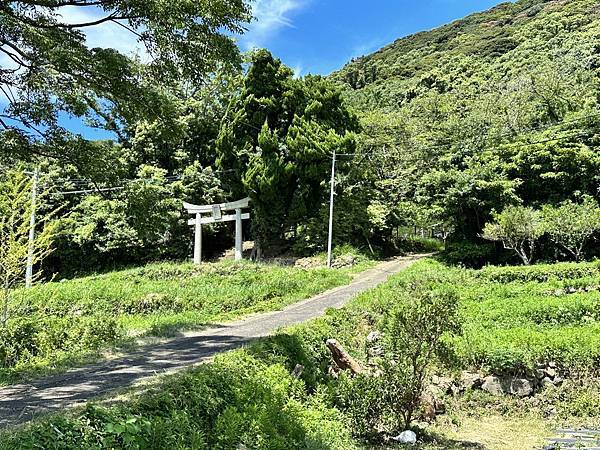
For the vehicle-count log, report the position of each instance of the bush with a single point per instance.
(24, 340)
(540, 273)
(236, 400)
(420, 245)
(468, 254)
(571, 225)
(413, 331)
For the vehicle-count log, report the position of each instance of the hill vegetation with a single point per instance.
(495, 109)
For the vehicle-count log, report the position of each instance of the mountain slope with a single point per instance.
(485, 47)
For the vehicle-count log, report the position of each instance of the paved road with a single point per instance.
(20, 403)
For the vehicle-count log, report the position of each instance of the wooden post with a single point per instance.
(198, 240)
(238, 234)
(341, 357)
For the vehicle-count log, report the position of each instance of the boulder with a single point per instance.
(470, 380)
(444, 383)
(521, 387)
(493, 385)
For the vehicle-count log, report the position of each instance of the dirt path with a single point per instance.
(20, 403)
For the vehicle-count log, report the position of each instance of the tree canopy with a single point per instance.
(48, 70)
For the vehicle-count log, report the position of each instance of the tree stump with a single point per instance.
(341, 357)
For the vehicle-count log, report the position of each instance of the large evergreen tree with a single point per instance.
(277, 142)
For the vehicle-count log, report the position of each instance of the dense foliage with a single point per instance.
(499, 108)
(277, 145)
(48, 68)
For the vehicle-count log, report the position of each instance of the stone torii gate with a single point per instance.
(217, 216)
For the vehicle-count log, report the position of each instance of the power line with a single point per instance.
(169, 178)
(89, 191)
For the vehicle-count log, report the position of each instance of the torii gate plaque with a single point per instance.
(217, 216)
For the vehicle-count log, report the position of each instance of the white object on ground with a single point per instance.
(406, 437)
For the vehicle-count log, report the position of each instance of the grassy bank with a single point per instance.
(250, 396)
(60, 324)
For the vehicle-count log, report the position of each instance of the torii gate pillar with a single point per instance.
(217, 217)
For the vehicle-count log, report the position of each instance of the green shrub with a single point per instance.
(540, 272)
(415, 244)
(468, 254)
(413, 330)
(27, 340)
(235, 400)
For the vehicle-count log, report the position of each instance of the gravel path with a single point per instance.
(20, 403)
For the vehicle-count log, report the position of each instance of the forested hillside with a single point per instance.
(489, 47)
(498, 108)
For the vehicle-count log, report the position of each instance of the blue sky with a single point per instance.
(311, 36)
(320, 36)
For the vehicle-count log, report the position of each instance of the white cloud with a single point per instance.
(104, 35)
(366, 47)
(270, 17)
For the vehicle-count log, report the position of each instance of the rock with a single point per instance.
(406, 437)
(547, 381)
(297, 370)
(470, 380)
(455, 390)
(551, 372)
(552, 365)
(432, 402)
(558, 381)
(375, 351)
(540, 374)
(344, 261)
(493, 385)
(444, 383)
(373, 336)
(521, 387)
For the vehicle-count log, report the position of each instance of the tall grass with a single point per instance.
(58, 324)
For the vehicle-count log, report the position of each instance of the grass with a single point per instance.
(491, 432)
(57, 325)
(250, 397)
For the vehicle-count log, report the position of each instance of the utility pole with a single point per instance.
(29, 270)
(330, 236)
